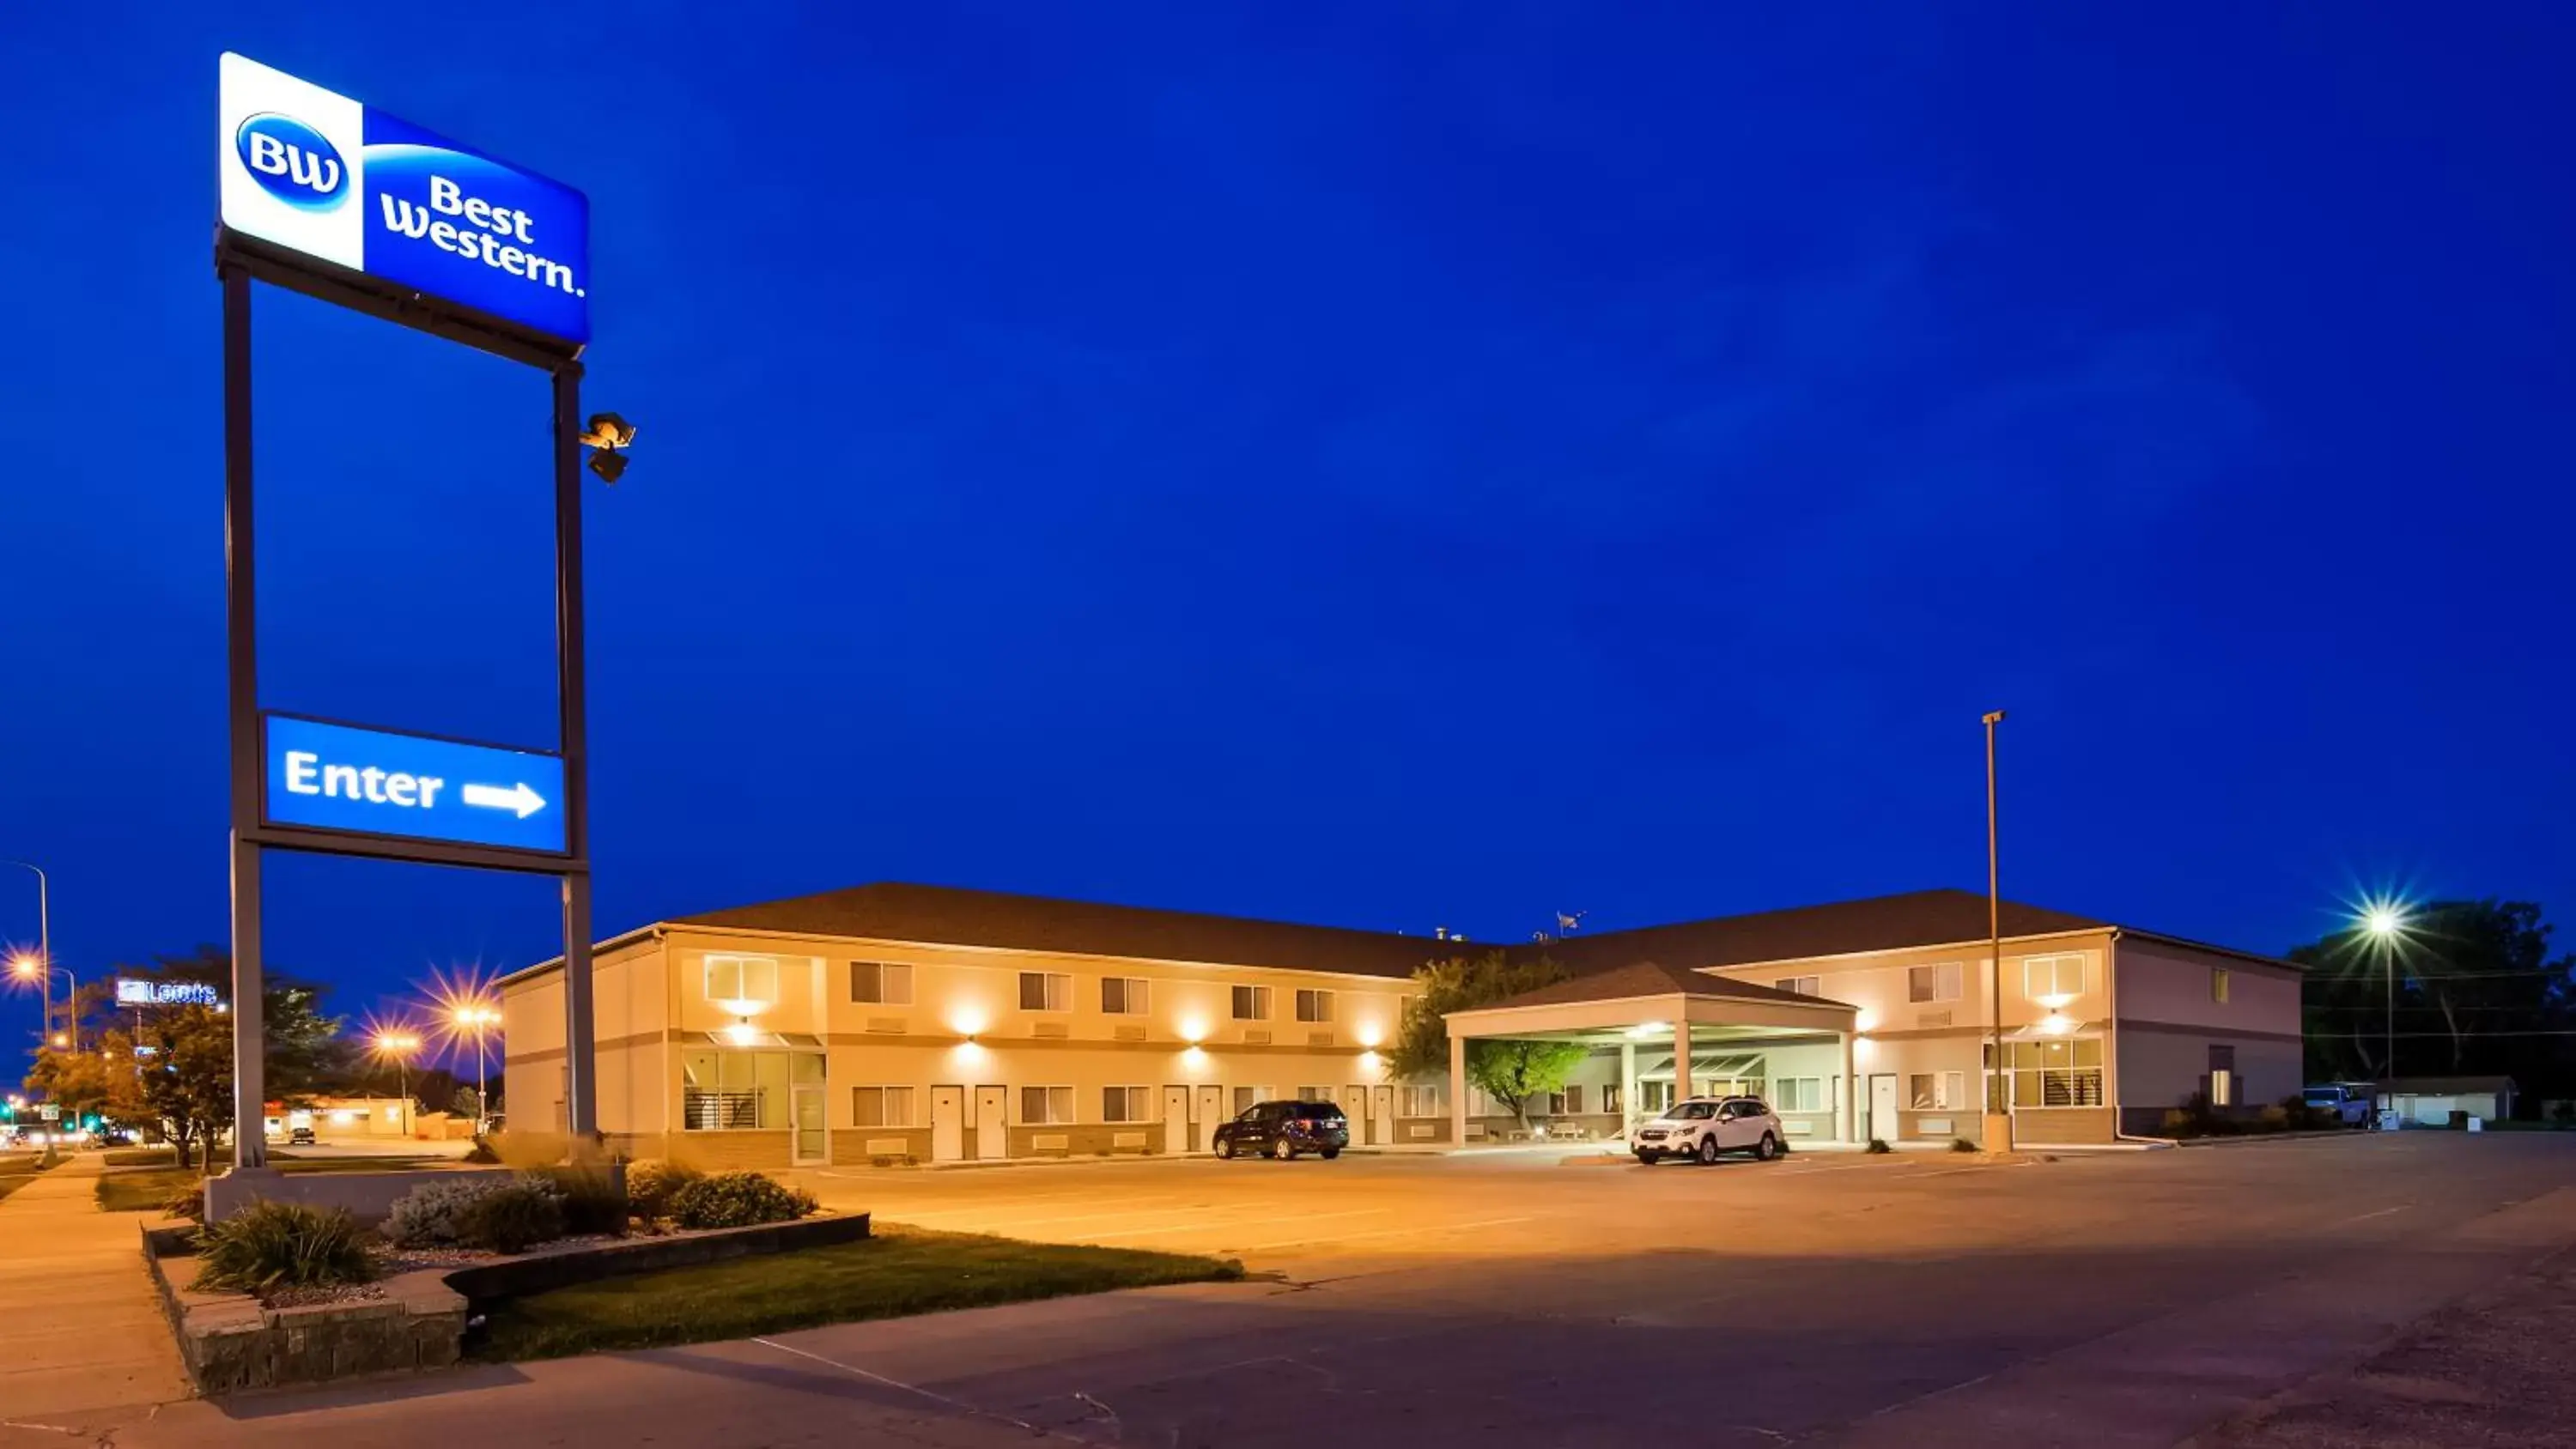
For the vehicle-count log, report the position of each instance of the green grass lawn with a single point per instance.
(17, 1171)
(896, 1273)
(148, 1189)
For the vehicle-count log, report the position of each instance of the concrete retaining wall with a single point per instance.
(229, 1342)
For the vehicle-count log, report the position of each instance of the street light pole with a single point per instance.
(1999, 1082)
(44, 945)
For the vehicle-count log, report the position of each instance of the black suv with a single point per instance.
(1285, 1129)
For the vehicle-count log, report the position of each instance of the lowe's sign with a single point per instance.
(318, 173)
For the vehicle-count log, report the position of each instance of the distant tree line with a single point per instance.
(2477, 993)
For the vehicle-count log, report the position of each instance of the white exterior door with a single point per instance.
(1211, 1112)
(1882, 1107)
(1355, 1105)
(810, 1141)
(1381, 1116)
(947, 1124)
(1176, 1119)
(991, 1140)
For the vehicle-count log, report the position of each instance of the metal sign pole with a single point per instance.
(250, 1099)
(580, 1105)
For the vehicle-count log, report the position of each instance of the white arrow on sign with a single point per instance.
(519, 798)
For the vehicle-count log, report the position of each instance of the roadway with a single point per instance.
(1508, 1300)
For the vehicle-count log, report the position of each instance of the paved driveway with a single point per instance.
(1490, 1301)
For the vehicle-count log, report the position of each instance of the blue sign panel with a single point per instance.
(319, 173)
(376, 782)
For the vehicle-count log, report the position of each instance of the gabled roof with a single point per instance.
(1840, 928)
(946, 915)
(1648, 978)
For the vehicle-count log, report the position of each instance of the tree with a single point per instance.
(186, 1083)
(305, 1053)
(1511, 1072)
(77, 1082)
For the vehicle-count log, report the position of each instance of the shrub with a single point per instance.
(738, 1200)
(1962, 1144)
(188, 1202)
(481, 1154)
(2278, 1119)
(591, 1200)
(1878, 1145)
(272, 1245)
(511, 1218)
(649, 1186)
(432, 1214)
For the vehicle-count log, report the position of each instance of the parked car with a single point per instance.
(2350, 1104)
(299, 1136)
(1704, 1127)
(1286, 1129)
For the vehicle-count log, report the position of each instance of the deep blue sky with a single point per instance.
(1388, 465)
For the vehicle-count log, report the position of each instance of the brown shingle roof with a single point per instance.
(1645, 978)
(1879, 923)
(898, 911)
(894, 911)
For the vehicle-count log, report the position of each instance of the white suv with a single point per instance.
(1703, 1127)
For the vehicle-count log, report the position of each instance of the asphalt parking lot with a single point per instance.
(1507, 1300)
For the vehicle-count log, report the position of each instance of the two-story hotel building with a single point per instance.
(893, 1023)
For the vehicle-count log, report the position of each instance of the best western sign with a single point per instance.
(318, 173)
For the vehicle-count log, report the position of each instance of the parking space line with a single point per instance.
(1388, 1233)
(1230, 1226)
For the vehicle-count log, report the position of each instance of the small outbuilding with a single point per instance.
(2430, 1101)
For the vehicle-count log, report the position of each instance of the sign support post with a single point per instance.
(580, 1106)
(241, 636)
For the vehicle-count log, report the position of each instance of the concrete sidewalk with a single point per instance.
(80, 1327)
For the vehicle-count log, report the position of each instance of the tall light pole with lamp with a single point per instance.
(399, 1045)
(478, 1019)
(1998, 1123)
(44, 942)
(2386, 924)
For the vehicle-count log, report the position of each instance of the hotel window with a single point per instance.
(1654, 1096)
(879, 984)
(1252, 1003)
(1122, 995)
(1574, 1098)
(1126, 1104)
(1046, 1106)
(1045, 991)
(2046, 976)
(751, 980)
(881, 1106)
(731, 1091)
(1314, 1094)
(1610, 1098)
(2218, 984)
(1932, 983)
(1314, 1006)
(1803, 985)
(1247, 1098)
(2222, 1076)
(2055, 1073)
(1798, 1094)
(1937, 1091)
(1418, 1102)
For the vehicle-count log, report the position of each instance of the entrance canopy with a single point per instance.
(1655, 1016)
